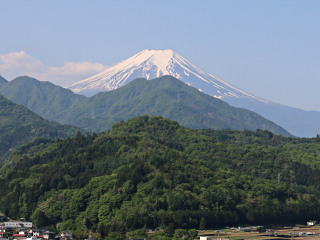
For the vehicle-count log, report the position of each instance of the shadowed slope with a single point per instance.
(19, 125)
(2, 81)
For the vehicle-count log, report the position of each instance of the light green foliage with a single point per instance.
(137, 234)
(193, 233)
(180, 233)
(114, 236)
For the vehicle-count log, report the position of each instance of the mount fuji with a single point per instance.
(151, 64)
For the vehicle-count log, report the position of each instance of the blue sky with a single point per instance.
(268, 48)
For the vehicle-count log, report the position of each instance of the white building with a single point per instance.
(18, 224)
(205, 238)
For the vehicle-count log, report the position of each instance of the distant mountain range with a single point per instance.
(150, 64)
(19, 125)
(165, 96)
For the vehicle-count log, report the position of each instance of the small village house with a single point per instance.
(48, 235)
(38, 232)
(258, 228)
(23, 231)
(65, 235)
(244, 229)
(311, 223)
(5, 234)
(19, 236)
(205, 238)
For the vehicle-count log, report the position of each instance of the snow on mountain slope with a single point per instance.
(151, 64)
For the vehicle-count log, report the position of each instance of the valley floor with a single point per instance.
(297, 232)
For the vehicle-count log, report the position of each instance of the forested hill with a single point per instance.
(152, 172)
(165, 96)
(19, 125)
(43, 98)
(2, 81)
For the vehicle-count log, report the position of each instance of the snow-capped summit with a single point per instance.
(151, 64)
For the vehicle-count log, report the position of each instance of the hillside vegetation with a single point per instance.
(151, 172)
(19, 125)
(165, 96)
(3, 81)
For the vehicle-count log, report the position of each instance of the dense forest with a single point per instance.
(150, 172)
(19, 125)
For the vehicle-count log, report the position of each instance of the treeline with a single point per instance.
(149, 172)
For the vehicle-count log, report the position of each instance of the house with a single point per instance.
(49, 235)
(18, 224)
(27, 232)
(287, 227)
(244, 229)
(19, 236)
(311, 223)
(65, 235)
(205, 238)
(5, 234)
(3, 229)
(32, 238)
(258, 228)
(22, 232)
(38, 232)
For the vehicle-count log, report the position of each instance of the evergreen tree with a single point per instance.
(40, 219)
(202, 225)
(170, 230)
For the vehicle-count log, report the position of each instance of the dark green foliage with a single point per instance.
(165, 96)
(203, 223)
(169, 230)
(40, 219)
(149, 172)
(19, 125)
